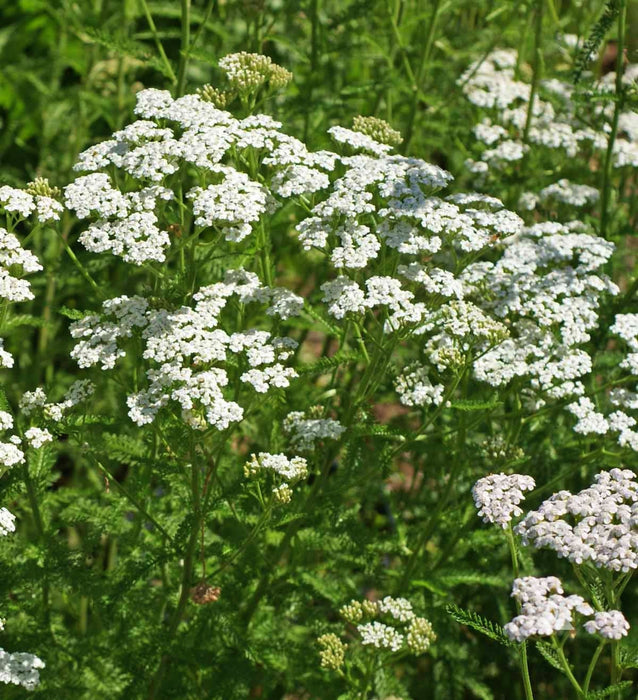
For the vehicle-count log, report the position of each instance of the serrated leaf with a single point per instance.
(629, 657)
(609, 690)
(73, 314)
(472, 578)
(471, 619)
(548, 652)
(127, 47)
(365, 429)
(316, 316)
(422, 583)
(475, 404)
(73, 421)
(326, 363)
(477, 688)
(4, 403)
(23, 320)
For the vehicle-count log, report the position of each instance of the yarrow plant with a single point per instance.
(257, 365)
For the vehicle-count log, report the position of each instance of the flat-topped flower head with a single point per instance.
(187, 352)
(497, 497)
(306, 432)
(544, 610)
(291, 470)
(610, 624)
(414, 387)
(37, 437)
(332, 651)
(598, 524)
(20, 668)
(381, 636)
(15, 261)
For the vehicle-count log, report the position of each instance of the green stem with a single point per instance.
(183, 56)
(567, 668)
(425, 55)
(616, 671)
(133, 500)
(360, 341)
(189, 557)
(39, 526)
(592, 666)
(202, 26)
(81, 268)
(266, 263)
(527, 683)
(158, 43)
(314, 55)
(402, 50)
(367, 678)
(432, 522)
(536, 68)
(609, 155)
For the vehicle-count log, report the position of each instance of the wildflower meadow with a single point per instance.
(318, 349)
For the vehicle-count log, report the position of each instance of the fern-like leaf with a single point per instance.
(629, 657)
(475, 404)
(596, 36)
(327, 363)
(610, 690)
(549, 654)
(471, 619)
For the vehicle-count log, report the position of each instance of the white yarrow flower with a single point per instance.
(497, 497)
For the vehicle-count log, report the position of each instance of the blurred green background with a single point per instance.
(69, 70)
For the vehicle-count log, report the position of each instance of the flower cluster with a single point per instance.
(7, 522)
(36, 402)
(415, 388)
(306, 432)
(561, 192)
(544, 610)
(555, 123)
(619, 417)
(332, 651)
(610, 624)
(187, 352)
(548, 286)
(10, 452)
(389, 624)
(246, 72)
(15, 260)
(20, 668)
(37, 198)
(497, 497)
(378, 129)
(597, 524)
(37, 437)
(287, 472)
(204, 143)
